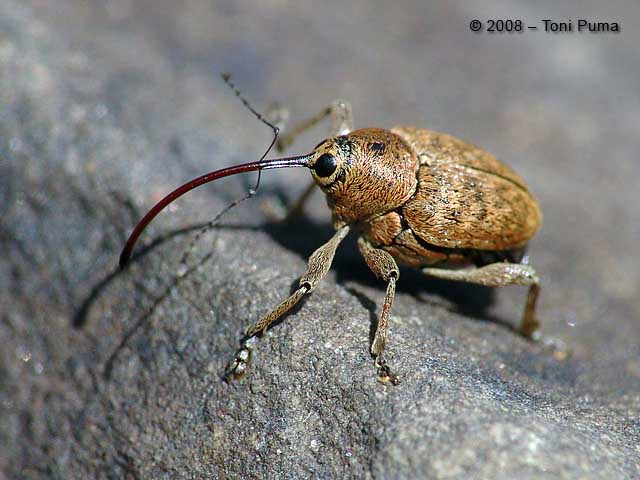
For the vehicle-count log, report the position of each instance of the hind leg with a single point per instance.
(500, 275)
(503, 274)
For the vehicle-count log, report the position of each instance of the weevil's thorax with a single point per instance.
(365, 173)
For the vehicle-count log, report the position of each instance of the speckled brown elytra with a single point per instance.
(417, 198)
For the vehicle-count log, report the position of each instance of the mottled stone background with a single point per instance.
(106, 105)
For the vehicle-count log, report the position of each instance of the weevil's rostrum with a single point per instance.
(417, 198)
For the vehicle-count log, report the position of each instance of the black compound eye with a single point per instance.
(326, 165)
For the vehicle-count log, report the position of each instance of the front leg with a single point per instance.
(341, 117)
(319, 265)
(383, 266)
(341, 123)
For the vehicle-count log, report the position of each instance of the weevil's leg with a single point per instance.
(383, 266)
(318, 266)
(341, 118)
(502, 274)
(499, 275)
(341, 123)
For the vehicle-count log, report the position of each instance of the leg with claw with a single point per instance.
(499, 275)
(502, 274)
(341, 124)
(383, 266)
(319, 265)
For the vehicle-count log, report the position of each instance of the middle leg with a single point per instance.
(383, 266)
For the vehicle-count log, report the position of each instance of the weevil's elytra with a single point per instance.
(417, 198)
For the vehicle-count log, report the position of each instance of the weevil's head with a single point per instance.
(365, 173)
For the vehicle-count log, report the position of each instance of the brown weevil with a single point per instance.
(417, 198)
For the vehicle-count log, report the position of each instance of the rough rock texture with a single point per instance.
(107, 105)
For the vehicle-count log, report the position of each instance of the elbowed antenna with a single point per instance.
(300, 161)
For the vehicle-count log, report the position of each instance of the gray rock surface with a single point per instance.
(105, 106)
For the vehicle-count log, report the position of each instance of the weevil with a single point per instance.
(417, 198)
